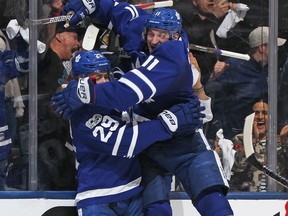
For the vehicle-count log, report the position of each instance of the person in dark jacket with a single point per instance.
(237, 83)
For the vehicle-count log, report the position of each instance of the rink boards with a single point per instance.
(61, 203)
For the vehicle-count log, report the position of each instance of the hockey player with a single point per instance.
(162, 78)
(12, 64)
(107, 184)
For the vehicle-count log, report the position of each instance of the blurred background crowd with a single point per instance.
(236, 87)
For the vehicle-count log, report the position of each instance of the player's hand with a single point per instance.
(80, 9)
(183, 119)
(74, 96)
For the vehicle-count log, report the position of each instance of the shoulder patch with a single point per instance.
(93, 121)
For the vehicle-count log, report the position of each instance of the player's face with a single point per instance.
(204, 6)
(156, 37)
(69, 43)
(261, 116)
(100, 77)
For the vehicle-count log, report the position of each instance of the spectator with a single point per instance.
(246, 177)
(56, 161)
(51, 8)
(53, 135)
(236, 83)
(208, 16)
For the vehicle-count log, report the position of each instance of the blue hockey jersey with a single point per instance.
(99, 133)
(163, 78)
(8, 71)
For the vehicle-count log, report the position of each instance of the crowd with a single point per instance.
(142, 102)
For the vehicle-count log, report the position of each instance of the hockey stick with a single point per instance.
(152, 5)
(250, 154)
(219, 52)
(90, 37)
(50, 20)
(213, 40)
(67, 17)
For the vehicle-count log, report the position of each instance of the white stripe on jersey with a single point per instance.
(118, 140)
(217, 158)
(146, 80)
(154, 63)
(151, 62)
(133, 87)
(200, 131)
(108, 191)
(6, 142)
(133, 141)
(148, 60)
(133, 11)
(5, 128)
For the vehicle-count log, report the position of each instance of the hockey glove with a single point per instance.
(73, 97)
(183, 119)
(22, 55)
(80, 9)
(9, 66)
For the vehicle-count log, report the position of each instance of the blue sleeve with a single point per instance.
(5, 137)
(111, 136)
(124, 19)
(8, 69)
(161, 73)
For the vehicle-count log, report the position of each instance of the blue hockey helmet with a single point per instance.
(165, 19)
(87, 62)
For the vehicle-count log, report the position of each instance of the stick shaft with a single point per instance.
(156, 4)
(219, 52)
(254, 162)
(51, 20)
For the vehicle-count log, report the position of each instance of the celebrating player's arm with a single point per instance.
(139, 84)
(112, 136)
(135, 86)
(107, 131)
(118, 17)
